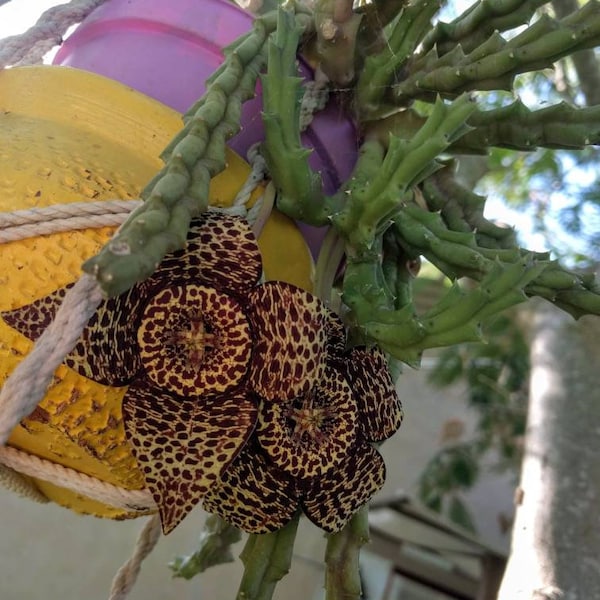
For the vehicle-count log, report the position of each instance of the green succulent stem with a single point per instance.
(342, 576)
(462, 210)
(513, 126)
(397, 273)
(370, 206)
(539, 46)
(300, 194)
(457, 254)
(478, 22)
(267, 558)
(336, 27)
(402, 38)
(380, 12)
(328, 263)
(179, 192)
(457, 316)
(517, 127)
(214, 548)
(378, 296)
(365, 289)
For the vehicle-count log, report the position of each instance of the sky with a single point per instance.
(18, 15)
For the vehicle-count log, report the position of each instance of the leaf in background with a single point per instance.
(448, 367)
(463, 465)
(459, 514)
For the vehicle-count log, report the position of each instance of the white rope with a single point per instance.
(36, 53)
(258, 173)
(95, 489)
(259, 214)
(59, 218)
(28, 383)
(22, 224)
(127, 575)
(30, 47)
(316, 95)
(43, 214)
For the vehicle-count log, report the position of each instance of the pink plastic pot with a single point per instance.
(167, 50)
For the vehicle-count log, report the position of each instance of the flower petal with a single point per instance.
(32, 319)
(106, 351)
(309, 436)
(290, 350)
(378, 403)
(336, 339)
(194, 341)
(330, 501)
(182, 446)
(221, 251)
(252, 495)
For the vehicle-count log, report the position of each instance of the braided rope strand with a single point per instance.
(30, 47)
(95, 489)
(127, 575)
(23, 224)
(31, 216)
(28, 383)
(316, 95)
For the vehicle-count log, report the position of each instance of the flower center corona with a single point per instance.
(196, 341)
(309, 424)
(311, 434)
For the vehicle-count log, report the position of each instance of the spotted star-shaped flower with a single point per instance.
(209, 355)
(184, 344)
(313, 450)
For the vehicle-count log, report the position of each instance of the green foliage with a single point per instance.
(214, 548)
(379, 209)
(459, 514)
(495, 375)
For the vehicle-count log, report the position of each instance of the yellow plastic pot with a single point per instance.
(72, 136)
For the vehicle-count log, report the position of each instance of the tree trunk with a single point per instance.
(584, 61)
(556, 537)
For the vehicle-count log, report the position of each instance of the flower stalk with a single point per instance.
(342, 576)
(266, 559)
(214, 548)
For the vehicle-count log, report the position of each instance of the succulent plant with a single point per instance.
(410, 86)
